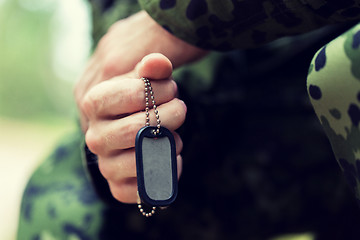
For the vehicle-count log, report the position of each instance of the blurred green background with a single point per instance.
(35, 82)
(44, 45)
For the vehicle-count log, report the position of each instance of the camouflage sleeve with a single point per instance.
(334, 89)
(225, 25)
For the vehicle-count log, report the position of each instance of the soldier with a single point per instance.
(256, 163)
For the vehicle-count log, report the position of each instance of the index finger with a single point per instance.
(113, 98)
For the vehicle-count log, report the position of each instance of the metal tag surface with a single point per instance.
(156, 166)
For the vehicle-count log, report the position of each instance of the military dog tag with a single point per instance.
(156, 166)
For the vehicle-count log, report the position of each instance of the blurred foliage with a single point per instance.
(28, 86)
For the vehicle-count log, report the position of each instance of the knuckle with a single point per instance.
(105, 170)
(174, 89)
(93, 141)
(125, 190)
(86, 105)
(119, 194)
(179, 112)
(93, 102)
(101, 142)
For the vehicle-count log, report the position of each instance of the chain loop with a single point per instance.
(142, 211)
(149, 96)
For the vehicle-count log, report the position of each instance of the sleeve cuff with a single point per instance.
(171, 15)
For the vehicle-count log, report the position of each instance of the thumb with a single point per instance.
(154, 66)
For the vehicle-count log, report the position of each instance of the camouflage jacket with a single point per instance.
(225, 25)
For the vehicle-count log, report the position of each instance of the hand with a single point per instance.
(115, 112)
(125, 44)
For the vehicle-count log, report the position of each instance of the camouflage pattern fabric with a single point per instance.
(256, 161)
(59, 202)
(106, 12)
(224, 25)
(334, 88)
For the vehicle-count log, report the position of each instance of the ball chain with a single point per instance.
(149, 93)
(142, 211)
